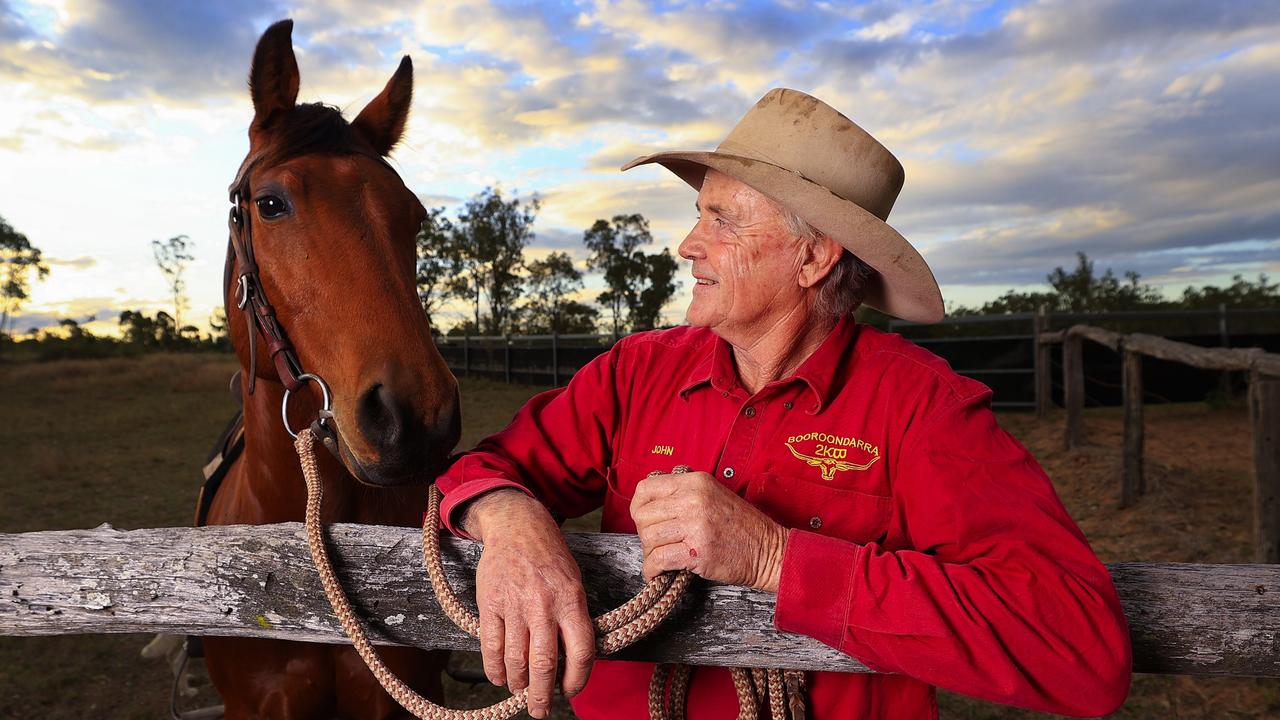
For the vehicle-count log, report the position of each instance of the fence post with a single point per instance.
(1224, 377)
(1264, 418)
(1043, 363)
(555, 359)
(506, 356)
(466, 355)
(1133, 484)
(1073, 387)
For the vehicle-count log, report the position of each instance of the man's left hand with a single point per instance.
(691, 522)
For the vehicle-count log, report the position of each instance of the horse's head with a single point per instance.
(332, 231)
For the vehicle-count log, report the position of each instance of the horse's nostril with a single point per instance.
(379, 417)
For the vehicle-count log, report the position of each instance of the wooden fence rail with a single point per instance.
(1264, 411)
(258, 581)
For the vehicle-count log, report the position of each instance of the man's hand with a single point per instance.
(530, 596)
(692, 522)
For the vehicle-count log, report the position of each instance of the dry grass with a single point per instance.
(122, 440)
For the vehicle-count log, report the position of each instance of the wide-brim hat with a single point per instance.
(812, 160)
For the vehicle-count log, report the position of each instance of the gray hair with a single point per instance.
(842, 290)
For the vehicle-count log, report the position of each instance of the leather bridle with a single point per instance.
(259, 315)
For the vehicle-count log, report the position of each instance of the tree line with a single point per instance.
(478, 259)
(1082, 290)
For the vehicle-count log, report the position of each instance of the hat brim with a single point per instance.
(903, 286)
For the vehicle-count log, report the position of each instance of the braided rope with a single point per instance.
(395, 687)
(614, 630)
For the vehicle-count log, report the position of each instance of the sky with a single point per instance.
(1144, 133)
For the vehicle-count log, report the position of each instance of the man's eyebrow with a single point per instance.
(717, 209)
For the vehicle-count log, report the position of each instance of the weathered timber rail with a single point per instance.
(1264, 411)
(258, 581)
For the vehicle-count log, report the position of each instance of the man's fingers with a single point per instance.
(516, 654)
(543, 659)
(663, 532)
(676, 556)
(579, 650)
(492, 632)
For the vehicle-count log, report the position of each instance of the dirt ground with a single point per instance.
(122, 441)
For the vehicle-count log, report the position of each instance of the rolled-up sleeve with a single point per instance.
(557, 448)
(1000, 596)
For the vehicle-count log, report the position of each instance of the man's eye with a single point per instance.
(271, 206)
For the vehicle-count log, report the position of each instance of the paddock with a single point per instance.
(78, 460)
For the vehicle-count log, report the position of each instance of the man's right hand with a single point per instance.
(530, 596)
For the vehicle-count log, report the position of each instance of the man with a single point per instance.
(845, 469)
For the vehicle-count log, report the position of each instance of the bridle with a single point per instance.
(259, 315)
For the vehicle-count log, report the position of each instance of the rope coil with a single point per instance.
(615, 629)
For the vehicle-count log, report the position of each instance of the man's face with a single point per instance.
(745, 261)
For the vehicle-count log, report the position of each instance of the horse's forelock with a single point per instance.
(311, 128)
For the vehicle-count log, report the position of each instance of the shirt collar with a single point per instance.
(818, 371)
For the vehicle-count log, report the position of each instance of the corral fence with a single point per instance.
(259, 581)
(998, 350)
(1261, 368)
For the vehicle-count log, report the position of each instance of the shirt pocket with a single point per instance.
(621, 481)
(823, 508)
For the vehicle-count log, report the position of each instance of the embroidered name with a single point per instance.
(663, 450)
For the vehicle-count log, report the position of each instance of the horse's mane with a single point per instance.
(312, 128)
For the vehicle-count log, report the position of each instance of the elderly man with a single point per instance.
(850, 472)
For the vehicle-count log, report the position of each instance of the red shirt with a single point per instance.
(927, 541)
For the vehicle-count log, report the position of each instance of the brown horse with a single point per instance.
(333, 230)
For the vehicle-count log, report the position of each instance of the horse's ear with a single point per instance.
(382, 120)
(273, 79)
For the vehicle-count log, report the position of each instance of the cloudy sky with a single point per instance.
(1145, 133)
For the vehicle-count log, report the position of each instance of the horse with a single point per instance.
(321, 262)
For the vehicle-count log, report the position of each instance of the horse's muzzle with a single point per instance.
(409, 450)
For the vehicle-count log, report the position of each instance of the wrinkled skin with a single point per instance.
(756, 284)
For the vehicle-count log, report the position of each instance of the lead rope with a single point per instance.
(615, 629)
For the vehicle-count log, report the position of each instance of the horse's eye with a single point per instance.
(270, 206)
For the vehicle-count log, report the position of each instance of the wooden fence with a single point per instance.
(259, 581)
(1002, 351)
(1264, 411)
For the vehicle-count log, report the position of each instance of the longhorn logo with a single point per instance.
(829, 466)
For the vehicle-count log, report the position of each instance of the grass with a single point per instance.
(122, 440)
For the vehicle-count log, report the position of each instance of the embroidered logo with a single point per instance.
(663, 450)
(830, 453)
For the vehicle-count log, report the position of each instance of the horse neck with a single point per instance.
(274, 476)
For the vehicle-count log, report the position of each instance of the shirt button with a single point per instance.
(750, 411)
(728, 472)
(815, 522)
(788, 405)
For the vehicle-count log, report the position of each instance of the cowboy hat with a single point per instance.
(817, 163)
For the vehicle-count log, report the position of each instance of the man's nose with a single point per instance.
(693, 247)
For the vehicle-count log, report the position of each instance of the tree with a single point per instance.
(488, 253)
(172, 256)
(1079, 291)
(19, 258)
(219, 328)
(660, 269)
(436, 261)
(638, 282)
(547, 309)
(1240, 293)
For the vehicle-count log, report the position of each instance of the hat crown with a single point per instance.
(800, 133)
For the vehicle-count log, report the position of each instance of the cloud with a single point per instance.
(140, 49)
(1028, 131)
(82, 262)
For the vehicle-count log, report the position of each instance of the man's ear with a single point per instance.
(273, 78)
(382, 121)
(820, 258)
